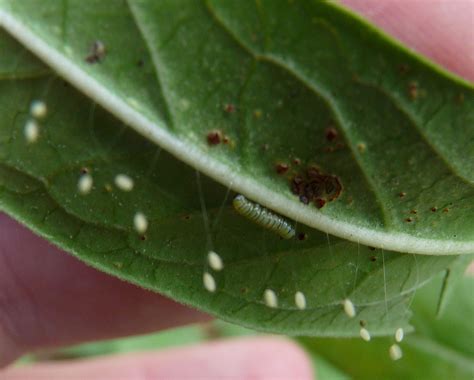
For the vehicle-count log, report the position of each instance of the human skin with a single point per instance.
(48, 298)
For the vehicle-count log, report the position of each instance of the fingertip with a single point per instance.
(248, 358)
(441, 30)
(48, 299)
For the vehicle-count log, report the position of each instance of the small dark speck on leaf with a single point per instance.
(409, 220)
(445, 209)
(434, 209)
(331, 134)
(373, 258)
(97, 52)
(302, 236)
(214, 137)
(304, 199)
(229, 108)
(402, 194)
(281, 168)
(319, 203)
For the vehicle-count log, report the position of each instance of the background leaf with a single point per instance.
(441, 348)
(291, 70)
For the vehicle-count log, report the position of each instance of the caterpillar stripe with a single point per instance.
(263, 217)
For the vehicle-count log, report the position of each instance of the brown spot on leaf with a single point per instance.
(214, 137)
(319, 203)
(302, 236)
(281, 168)
(229, 108)
(97, 52)
(315, 186)
(304, 199)
(434, 209)
(402, 194)
(331, 134)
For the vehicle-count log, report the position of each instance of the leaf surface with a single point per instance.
(273, 77)
(188, 215)
(440, 348)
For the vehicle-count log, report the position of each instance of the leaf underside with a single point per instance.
(290, 71)
(188, 213)
(441, 348)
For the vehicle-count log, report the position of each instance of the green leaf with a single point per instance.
(291, 70)
(440, 348)
(453, 329)
(453, 273)
(188, 215)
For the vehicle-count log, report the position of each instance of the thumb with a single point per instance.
(250, 358)
(441, 30)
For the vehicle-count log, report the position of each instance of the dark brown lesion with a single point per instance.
(331, 133)
(314, 186)
(97, 52)
(214, 137)
(281, 167)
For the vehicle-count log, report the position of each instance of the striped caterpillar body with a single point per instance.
(263, 217)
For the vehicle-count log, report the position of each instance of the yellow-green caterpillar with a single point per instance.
(263, 217)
